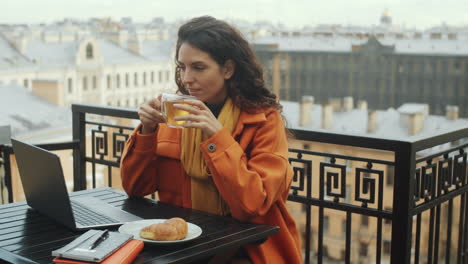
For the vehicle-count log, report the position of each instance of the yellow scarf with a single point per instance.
(205, 195)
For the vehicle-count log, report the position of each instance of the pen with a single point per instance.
(104, 235)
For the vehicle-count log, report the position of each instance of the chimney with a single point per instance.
(348, 103)
(362, 105)
(305, 110)
(327, 116)
(335, 103)
(134, 45)
(416, 123)
(451, 112)
(21, 43)
(371, 121)
(119, 38)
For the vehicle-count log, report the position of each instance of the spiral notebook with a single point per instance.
(82, 247)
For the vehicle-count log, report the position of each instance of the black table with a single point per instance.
(28, 237)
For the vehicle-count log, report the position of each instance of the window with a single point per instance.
(325, 224)
(325, 251)
(70, 85)
(144, 79)
(108, 81)
(127, 80)
(343, 227)
(136, 102)
(135, 79)
(364, 220)
(388, 221)
(118, 81)
(160, 76)
(152, 77)
(362, 249)
(436, 35)
(94, 82)
(127, 102)
(390, 175)
(387, 247)
(89, 51)
(348, 193)
(26, 83)
(85, 83)
(167, 76)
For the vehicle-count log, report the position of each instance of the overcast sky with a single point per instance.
(411, 13)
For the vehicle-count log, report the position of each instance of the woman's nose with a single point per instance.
(187, 77)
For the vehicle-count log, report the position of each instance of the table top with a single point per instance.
(28, 237)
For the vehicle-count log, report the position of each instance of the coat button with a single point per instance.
(211, 147)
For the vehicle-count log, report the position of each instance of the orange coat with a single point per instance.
(250, 169)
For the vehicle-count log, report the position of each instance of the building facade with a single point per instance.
(384, 71)
(97, 62)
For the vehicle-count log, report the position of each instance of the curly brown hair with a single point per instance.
(223, 42)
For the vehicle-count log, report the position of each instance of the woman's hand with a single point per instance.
(150, 115)
(199, 116)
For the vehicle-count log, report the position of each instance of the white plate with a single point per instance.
(133, 228)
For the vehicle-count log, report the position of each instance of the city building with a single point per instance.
(98, 62)
(384, 65)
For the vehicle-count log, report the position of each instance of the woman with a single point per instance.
(231, 157)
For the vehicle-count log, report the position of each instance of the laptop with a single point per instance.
(45, 190)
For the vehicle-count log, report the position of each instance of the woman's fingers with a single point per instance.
(149, 116)
(155, 103)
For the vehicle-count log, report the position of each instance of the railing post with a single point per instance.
(403, 203)
(79, 154)
(6, 152)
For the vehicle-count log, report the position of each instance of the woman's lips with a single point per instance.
(193, 91)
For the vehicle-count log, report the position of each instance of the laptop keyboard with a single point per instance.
(87, 217)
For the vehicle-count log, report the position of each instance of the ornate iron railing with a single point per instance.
(413, 194)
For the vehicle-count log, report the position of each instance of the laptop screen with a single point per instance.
(43, 182)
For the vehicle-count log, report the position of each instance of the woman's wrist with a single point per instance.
(148, 130)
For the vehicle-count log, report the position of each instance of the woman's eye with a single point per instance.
(199, 68)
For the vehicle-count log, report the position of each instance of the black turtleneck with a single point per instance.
(215, 108)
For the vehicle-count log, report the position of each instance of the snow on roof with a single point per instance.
(10, 57)
(307, 43)
(158, 50)
(354, 122)
(413, 108)
(344, 44)
(52, 54)
(32, 114)
(113, 54)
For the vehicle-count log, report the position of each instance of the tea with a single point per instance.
(170, 112)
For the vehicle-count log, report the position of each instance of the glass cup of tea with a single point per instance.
(168, 110)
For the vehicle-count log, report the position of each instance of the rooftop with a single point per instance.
(345, 44)
(354, 122)
(29, 114)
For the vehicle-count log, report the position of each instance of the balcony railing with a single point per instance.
(414, 191)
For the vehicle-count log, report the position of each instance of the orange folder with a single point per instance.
(124, 255)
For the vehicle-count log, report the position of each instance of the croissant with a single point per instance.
(172, 229)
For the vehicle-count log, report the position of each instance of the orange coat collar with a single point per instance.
(246, 118)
